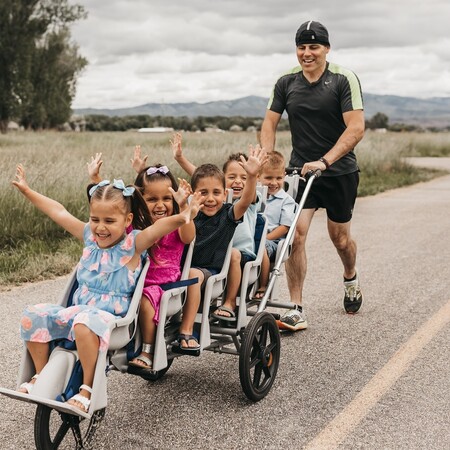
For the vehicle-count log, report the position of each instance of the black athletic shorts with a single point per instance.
(336, 194)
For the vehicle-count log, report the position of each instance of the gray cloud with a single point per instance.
(207, 50)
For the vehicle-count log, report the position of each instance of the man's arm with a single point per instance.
(268, 130)
(354, 120)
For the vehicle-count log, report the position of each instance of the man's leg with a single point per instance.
(296, 264)
(294, 319)
(346, 248)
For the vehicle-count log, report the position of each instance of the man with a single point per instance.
(325, 110)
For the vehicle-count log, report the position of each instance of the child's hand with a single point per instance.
(257, 157)
(181, 196)
(93, 168)
(195, 205)
(176, 146)
(20, 181)
(137, 162)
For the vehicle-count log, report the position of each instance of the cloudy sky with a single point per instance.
(170, 51)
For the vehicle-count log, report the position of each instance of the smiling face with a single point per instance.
(273, 178)
(158, 198)
(213, 194)
(313, 59)
(108, 221)
(235, 178)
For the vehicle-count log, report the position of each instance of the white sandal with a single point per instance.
(28, 386)
(86, 402)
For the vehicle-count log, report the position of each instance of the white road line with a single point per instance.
(340, 427)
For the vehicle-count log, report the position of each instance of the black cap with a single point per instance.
(312, 33)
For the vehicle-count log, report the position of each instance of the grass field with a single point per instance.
(33, 248)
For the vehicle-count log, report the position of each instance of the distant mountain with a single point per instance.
(426, 112)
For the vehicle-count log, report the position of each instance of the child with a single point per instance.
(107, 273)
(279, 213)
(243, 241)
(156, 185)
(215, 226)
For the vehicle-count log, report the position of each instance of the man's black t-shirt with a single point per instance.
(315, 113)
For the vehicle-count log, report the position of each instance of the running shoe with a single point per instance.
(353, 297)
(293, 320)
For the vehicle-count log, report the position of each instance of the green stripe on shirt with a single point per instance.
(353, 81)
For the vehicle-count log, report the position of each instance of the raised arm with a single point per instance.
(186, 231)
(257, 157)
(178, 155)
(48, 206)
(164, 226)
(268, 130)
(138, 163)
(93, 168)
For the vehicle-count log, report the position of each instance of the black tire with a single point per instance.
(259, 356)
(158, 374)
(53, 430)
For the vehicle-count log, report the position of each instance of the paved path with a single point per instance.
(376, 380)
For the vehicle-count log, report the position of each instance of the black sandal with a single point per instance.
(193, 351)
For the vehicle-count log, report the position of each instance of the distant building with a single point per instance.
(156, 130)
(13, 126)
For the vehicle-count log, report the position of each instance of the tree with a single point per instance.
(55, 65)
(379, 120)
(27, 27)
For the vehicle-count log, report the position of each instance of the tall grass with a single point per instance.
(33, 247)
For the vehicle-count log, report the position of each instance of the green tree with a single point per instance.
(378, 120)
(30, 31)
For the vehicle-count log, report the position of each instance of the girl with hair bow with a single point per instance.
(107, 272)
(164, 197)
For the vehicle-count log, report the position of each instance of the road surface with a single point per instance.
(376, 380)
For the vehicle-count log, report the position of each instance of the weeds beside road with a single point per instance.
(34, 248)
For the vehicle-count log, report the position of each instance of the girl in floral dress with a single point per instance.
(107, 273)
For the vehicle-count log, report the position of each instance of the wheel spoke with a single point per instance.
(271, 347)
(267, 371)
(259, 356)
(257, 376)
(254, 361)
(263, 337)
(256, 346)
(61, 433)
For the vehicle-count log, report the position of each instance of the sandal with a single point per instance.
(28, 386)
(134, 367)
(230, 318)
(194, 351)
(85, 402)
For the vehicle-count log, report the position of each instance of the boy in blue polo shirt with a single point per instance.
(279, 212)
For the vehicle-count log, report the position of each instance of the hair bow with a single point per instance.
(127, 191)
(118, 184)
(163, 169)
